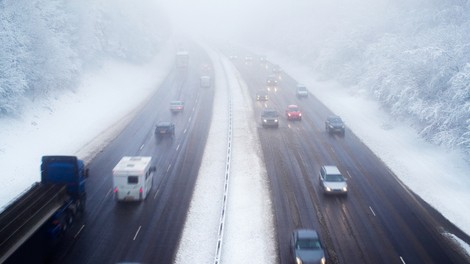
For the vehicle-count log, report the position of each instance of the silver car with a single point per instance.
(332, 181)
(306, 247)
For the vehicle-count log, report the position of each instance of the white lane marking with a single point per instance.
(110, 190)
(168, 169)
(156, 193)
(288, 125)
(332, 150)
(136, 233)
(348, 174)
(141, 147)
(81, 228)
(402, 261)
(194, 108)
(184, 132)
(372, 210)
(177, 147)
(190, 118)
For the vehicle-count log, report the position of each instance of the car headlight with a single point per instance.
(275, 120)
(345, 189)
(300, 114)
(328, 189)
(288, 114)
(298, 260)
(323, 260)
(264, 120)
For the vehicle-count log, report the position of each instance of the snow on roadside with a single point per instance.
(74, 123)
(248, 233)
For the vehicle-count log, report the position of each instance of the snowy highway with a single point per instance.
(380, 221)
(237, 198)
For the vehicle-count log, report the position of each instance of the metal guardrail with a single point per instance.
(227, 180)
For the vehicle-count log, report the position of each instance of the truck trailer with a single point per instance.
(53, 203)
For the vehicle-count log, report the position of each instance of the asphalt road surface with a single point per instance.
(380, 220)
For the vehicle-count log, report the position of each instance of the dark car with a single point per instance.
(270, 118)
(334, 124)
(262, 95)
(306, 247)
(164, 129)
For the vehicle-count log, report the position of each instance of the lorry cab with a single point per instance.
(133, 178)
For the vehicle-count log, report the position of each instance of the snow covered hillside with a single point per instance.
(46, 46)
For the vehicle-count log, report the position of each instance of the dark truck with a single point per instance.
(164, 129)
(52, 204)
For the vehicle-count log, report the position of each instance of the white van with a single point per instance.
(133, 178)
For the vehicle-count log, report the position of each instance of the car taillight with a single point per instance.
(141, 191)
(116, 190)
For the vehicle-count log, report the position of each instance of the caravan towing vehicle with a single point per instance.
(52, 204)
(133, 178)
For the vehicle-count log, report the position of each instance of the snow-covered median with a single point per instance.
(248, 227)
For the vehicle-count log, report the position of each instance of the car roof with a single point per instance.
(334, 117)
(164, 123)
(306, 233)
(269, 110)
(292, 106)
(331, 169)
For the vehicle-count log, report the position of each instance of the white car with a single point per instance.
(302, 91)
(332, 181)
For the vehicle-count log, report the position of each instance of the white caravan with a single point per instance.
(132, 178)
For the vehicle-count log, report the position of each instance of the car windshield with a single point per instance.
(293, 109)
(176, 103)
(302, 89)
(309, 243)
(270, 114)
(336, 120)
(334, 178)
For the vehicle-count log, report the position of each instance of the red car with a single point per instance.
(293, 113)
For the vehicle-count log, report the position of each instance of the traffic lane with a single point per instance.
(101, 204)
(318, 126)
(404, 218)
(290, 142)
(100, 214)
(413, 249)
